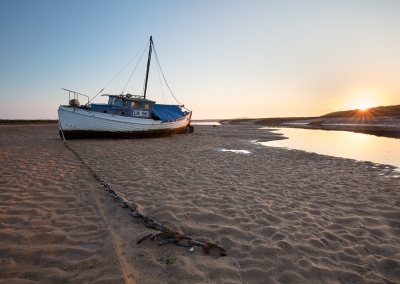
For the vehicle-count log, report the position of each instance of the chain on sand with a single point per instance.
(163, 234)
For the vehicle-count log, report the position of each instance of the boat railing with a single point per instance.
(129, 96)
(75, 94)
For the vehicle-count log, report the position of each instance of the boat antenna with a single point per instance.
(148, 67)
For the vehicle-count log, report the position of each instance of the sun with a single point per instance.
(364, 100)
(364, 106)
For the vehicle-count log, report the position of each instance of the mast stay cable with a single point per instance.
(162, 89)
(144, 47)
(159, 78)
(158, 63)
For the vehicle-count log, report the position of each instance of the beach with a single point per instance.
(283, 216)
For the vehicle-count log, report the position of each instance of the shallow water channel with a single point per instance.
(343, 144)
(204, 122)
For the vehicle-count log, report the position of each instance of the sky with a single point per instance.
(221, 59)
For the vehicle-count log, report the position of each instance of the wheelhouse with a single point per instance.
(133, 106)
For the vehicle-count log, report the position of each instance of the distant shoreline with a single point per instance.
(26, 121)
(378, 126)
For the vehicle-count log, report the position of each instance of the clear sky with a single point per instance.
(222, 59)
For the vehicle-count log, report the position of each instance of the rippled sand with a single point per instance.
(284, 216)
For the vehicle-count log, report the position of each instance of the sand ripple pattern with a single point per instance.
(285, 216)
(51, 224)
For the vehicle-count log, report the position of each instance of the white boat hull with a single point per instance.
(76, 123)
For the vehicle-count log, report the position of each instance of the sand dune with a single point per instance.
(284, 216)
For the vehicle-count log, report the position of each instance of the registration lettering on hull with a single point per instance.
(141, 113)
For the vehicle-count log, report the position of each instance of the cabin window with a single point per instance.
(136, 105)
(118, 102)
(146, 106)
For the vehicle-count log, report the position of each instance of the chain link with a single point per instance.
(164, 234)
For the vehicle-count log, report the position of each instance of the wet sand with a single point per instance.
(284, 216)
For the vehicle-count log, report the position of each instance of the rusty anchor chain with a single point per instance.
(163, 234)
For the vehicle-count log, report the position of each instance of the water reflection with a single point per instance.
(204, 122)
(235, 151)
(341, 144)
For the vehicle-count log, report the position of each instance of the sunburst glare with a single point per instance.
(364, 100)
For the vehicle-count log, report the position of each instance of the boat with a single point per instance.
(123, 116)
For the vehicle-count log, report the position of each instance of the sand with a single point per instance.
(284, 216)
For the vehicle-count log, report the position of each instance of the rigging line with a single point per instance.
(159, 78)
(158, 62)
(118, 73)
(162, 90)
(134, 70)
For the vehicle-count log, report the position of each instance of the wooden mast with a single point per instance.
(148, 67)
